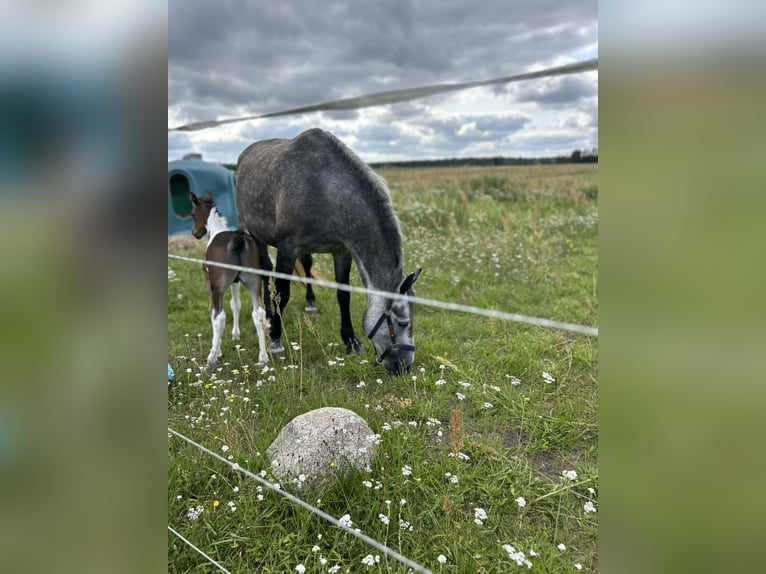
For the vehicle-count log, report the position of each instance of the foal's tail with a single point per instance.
(243, 248)
(237, 243)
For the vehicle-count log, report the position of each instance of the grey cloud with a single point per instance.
(555, 91)
(232, 58)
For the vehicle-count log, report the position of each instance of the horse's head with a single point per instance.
(388, 324)
(201, 207)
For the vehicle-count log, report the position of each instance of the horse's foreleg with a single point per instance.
(311, 305)
(235, 305)
(285, 264)
(342, 265)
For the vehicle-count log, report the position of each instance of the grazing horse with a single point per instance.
(234, 248)
(312, 194)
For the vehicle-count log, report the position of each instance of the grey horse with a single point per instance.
(312, 194)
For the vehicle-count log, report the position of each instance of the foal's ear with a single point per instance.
(407, 283)
(193, 198)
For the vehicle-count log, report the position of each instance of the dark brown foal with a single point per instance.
(235, 248)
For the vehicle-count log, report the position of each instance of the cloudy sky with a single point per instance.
(248, 57)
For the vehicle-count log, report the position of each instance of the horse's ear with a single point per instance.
(407, 283)
(193, 198)
(208, 197)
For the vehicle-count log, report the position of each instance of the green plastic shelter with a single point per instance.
(193, 174)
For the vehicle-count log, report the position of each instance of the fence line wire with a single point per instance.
(294, 499)
(397, 96)
(491, 313)
(221, 568)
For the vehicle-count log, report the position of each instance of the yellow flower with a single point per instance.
(216, 504)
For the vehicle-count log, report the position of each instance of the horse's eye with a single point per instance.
(404, 324)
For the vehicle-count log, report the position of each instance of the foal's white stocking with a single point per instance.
(259, 317)
(219, 323)
(235, 305)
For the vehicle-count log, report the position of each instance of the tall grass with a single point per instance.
(492, 412)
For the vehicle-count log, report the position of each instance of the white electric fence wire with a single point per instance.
(371, 541)
(397, 96)
(221, 568)
(572, 327)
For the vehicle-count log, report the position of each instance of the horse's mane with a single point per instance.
(377, 194)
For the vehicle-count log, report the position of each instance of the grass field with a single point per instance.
(490, 441)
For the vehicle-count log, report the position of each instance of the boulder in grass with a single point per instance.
(319, 446)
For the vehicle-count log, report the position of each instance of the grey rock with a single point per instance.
(320, 446)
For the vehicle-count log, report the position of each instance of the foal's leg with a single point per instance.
(218, 319)
(265, 264)
(253, 285)
(342, 274)
(235, 305)
(311, 302)
(285, 264)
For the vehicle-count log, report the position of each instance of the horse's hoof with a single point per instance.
(276, 348)
(311, 309)
(355, 346)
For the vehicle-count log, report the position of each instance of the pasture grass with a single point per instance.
(475, 425)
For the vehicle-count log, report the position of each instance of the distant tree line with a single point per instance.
(577, 156)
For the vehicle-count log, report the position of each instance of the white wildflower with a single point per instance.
(517, 556)
(521, 501)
